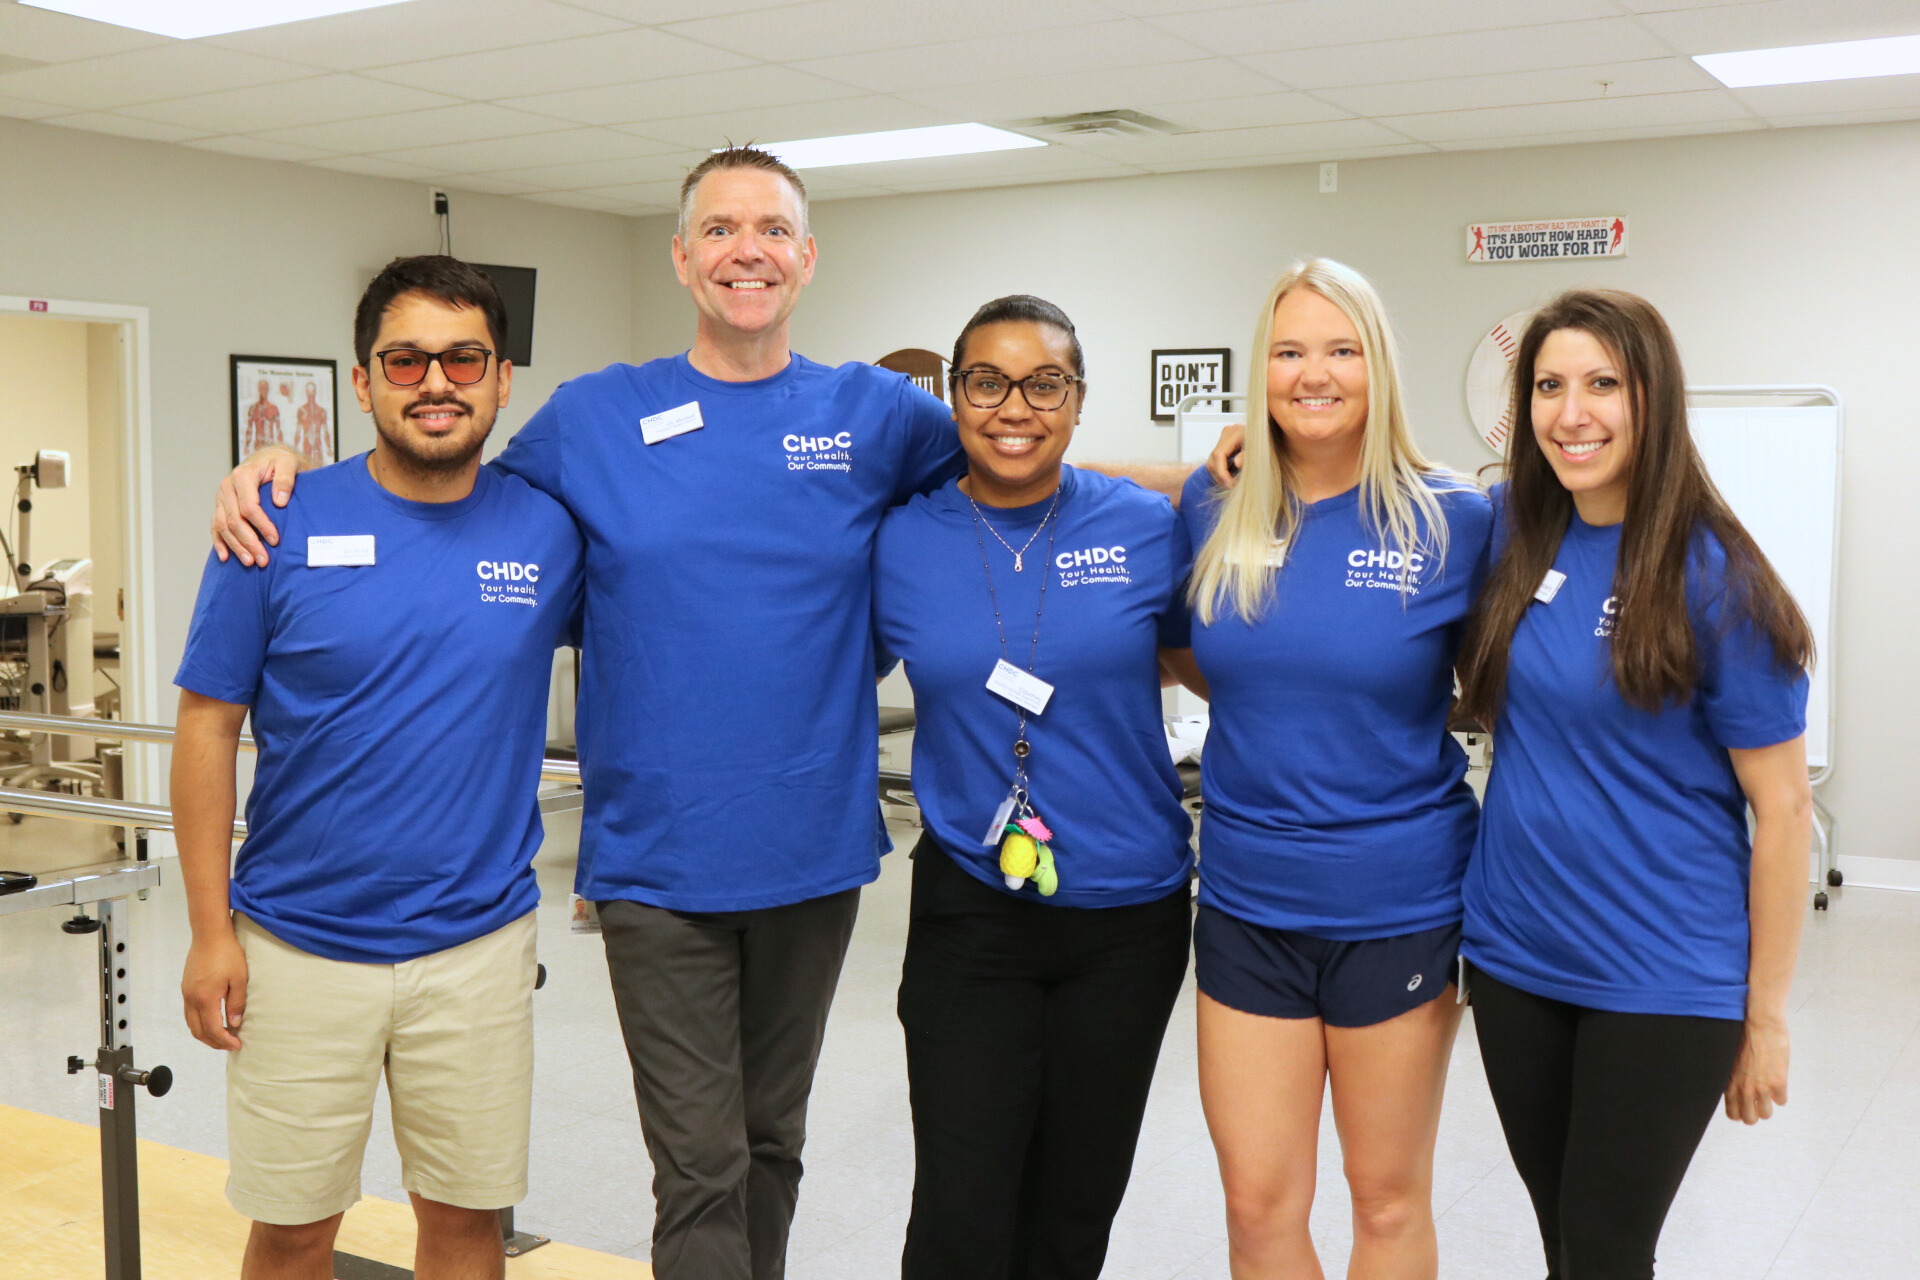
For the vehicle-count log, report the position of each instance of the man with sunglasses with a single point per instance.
(395, 657)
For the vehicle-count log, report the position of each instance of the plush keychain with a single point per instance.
(1026, 855)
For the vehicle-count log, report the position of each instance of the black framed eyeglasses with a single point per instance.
(463, 366)
(989, 388)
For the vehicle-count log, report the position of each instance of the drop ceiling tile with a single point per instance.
(1092, 47)
(1099, 89)
(126, 127)
(584, 200)
(567, 146)
(261, 149)
(1845, 117)
(607, 173)
(487, 184)
(1272, 140)
(824, 28)
(421, 29)
(1248, 112)
(9, 63)
(615, 57)
(1646, 111)
(1662, 6)
(867, 114)
(467, 122)
(41, 34)
(1036, 164)
(1012, 180)
(1309, 24)
(739, 90)
(1162, 8)
(656, 193)
(652, 13)
(317, 100)
(376, 167)
(1301, 158)
(21, 109)
(1879, 93)
(144, 75)
(1601, 135)
(1732, 27)
(1524, 48)
(1520, 88)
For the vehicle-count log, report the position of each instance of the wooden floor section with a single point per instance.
(50, 1215)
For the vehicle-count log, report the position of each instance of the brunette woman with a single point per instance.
(1629, 943)
(1051, 903)
(1330, 589)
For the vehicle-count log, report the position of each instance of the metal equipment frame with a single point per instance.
(103, 886)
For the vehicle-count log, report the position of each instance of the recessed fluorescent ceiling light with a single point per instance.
(1807, 63)
(898, 144)
(191, 19)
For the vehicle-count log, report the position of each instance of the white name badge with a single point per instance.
(339, 548)
(1021, 688)
(1550, 586)
(671, 423)
(1000, 816)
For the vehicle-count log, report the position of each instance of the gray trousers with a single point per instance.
(723, 1015)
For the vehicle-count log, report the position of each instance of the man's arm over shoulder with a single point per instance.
(932, 454)
(241, 525)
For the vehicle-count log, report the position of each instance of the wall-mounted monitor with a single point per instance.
(516, 290)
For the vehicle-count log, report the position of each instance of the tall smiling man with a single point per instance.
(729, 498)
(379, 919)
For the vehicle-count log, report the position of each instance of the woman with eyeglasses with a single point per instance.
(1330, 588)
(1629, 941)
(1050, 919)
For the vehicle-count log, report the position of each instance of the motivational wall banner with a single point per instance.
(1555, 238)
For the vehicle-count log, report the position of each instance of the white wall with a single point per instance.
(1778, 256)
(235, 255)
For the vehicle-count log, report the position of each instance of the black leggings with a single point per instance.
(1032, 1034)
(1602, 1113)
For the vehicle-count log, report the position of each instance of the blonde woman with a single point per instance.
(1329, 592)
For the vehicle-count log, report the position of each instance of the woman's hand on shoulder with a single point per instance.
(239, 523)
(1223, 464)
(1759, 1081)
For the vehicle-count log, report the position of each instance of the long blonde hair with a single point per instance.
(1261, 513)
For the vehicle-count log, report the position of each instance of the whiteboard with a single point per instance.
(1778, 468)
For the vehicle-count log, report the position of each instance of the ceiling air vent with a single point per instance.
(1119, 123)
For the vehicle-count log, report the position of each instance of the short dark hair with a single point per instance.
(1021, 307)
(744, 156)
(454, 282)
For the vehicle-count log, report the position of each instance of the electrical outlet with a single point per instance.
(436, 200)
(1329, 177)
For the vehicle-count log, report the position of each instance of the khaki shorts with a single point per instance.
(453, 1032)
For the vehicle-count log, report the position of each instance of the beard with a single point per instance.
(428, 456)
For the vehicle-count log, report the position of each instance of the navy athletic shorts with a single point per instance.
(1278, 973)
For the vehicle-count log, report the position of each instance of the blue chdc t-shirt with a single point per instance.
(1336, 800)
(1612, 866)
(1114, 561)
(727, 718)
(399, 709)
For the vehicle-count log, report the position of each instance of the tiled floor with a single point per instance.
(1825, 1191)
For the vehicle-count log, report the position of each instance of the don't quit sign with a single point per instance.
(1178, 374)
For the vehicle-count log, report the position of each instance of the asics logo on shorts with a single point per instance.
(1418, 978)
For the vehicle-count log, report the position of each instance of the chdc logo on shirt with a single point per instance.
(1603, 629)
(1093, 564)
(1379, 567)
(508, 582)
(819, 453)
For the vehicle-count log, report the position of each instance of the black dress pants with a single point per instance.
(1032, 1034)
(1602, 1113)
(723, 1015)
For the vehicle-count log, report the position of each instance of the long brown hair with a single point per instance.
(1671, 501)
